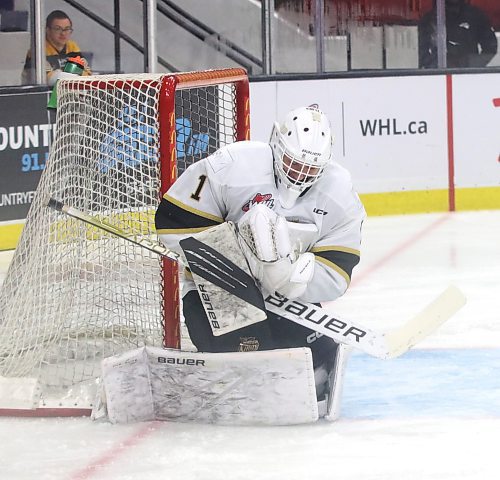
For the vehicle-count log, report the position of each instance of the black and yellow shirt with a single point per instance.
(55, 60)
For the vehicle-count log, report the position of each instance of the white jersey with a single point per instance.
(225, 185)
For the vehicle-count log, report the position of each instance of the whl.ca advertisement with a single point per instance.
(390, 133)
(399, 134)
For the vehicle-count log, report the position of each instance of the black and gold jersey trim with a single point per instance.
(340, 259)
(175, 217)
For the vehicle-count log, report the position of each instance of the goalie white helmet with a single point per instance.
(302, 148)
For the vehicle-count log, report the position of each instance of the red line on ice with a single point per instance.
(108, 457)
(399, 249)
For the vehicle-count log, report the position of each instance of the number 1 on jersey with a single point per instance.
(196, 194)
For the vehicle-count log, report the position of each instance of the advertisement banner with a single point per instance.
(390, 132)
(26, 132)
(476, 130)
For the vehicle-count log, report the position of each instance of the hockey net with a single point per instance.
(74, 295)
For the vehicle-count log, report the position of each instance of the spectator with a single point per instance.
(470, 39)
(58, 48)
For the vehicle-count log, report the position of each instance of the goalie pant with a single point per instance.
(273, 333)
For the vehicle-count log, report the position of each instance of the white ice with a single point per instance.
(433, 414)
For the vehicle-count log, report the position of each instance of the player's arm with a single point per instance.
(52, 74)
(336, 255)
(337, 251)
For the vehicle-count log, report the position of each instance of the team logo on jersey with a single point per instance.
(263, 198)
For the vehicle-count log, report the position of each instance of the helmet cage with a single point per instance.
(294, 170)
(302, 149)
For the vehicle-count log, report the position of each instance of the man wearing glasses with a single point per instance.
(58, 48)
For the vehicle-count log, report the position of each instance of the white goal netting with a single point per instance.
(74, 295)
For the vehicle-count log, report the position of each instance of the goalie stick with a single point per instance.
(383, 344)
(154, 247)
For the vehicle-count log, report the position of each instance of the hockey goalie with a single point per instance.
(267, 231)
(296, 221)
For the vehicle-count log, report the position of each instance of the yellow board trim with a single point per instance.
(180, 231)
(132, 223)
(397, 203)
(389, 203)
(9, 235)
(485, 198)
(429, 201)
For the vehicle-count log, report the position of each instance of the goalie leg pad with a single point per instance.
(251, 388)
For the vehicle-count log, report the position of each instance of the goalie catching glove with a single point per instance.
(265, 242)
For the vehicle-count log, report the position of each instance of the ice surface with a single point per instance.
(433, 414)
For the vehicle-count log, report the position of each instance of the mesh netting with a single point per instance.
(73, 294)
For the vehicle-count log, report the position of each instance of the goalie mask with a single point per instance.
(302, 148)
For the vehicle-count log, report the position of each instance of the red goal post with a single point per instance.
(74, 295)
(173, 83)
